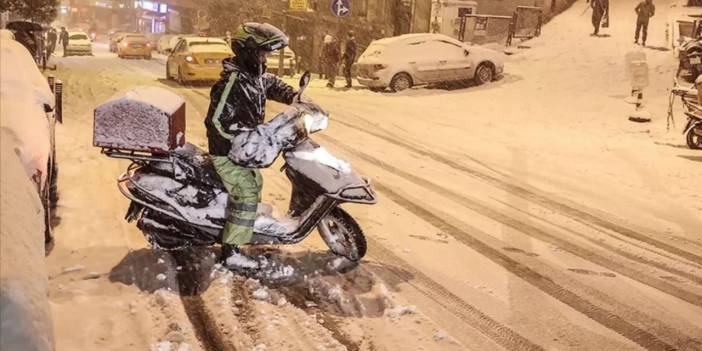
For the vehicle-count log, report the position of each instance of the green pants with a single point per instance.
(244, 188)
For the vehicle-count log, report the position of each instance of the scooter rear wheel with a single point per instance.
(344, 236)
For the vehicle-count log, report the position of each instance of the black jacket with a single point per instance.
(63, 38)
(350, 51)
(244, 106)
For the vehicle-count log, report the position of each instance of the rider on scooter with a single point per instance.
(238, 102)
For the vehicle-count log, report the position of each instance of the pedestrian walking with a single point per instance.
(334, 55)
(644, 10)
(51, 38)
(349, 57)
(600, 11)
(63, 40)
(326, 42)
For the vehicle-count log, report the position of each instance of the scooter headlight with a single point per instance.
(315, 122)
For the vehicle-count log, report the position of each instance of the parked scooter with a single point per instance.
(690, 99)
(179, 201)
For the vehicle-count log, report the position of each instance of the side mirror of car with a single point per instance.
(466, 53)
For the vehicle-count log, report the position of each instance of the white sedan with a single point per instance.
(417, 59)
(79, 44)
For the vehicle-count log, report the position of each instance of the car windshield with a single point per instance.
(209, 46)
(78, 36)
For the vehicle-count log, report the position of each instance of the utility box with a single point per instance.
(446, 15)
(148, 119)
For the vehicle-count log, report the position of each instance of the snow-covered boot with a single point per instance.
(232, 258)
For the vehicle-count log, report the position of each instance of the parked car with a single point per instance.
(164, 43)
(30, 109)
(418, 59)
(114, 40)
(197, 58)
(168, 42)
(79, 44)
(153, 39)
(288, 62)
(134, 45)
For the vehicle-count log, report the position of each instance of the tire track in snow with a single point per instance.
(582, 216)
(531, 230)
(476, 319)
(623, 253)
(545, 284)
(204, 324)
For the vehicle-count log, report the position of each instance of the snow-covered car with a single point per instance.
(153, 39)
(418, 59)
(164, 43)
(288, 62)
(134, 45)
(197, 59)
(114, 40)
(171, 41)
(79, 44)
(27, 115)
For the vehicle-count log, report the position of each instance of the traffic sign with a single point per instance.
(297, 5)
(340, 8)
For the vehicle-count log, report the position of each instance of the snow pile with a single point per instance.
(23, 94)
(25, 322)
(144, 119)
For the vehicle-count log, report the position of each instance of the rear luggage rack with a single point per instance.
(135, 155)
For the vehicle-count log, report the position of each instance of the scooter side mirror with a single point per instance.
(304, 81)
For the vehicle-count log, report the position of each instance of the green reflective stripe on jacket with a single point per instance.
(220, 107)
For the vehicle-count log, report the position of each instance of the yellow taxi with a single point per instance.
(197, 59)
(134, 45)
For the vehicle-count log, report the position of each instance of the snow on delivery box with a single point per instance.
(142, 119)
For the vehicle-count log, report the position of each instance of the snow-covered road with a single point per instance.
(524, 214)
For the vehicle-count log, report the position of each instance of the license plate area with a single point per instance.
(695, 60)
(211, 61)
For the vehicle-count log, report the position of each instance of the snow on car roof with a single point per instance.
(415, 36)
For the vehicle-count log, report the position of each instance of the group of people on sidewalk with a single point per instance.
(332, 57)
(644, 11)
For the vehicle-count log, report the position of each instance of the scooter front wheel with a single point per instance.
(694, 137)
(343, 235)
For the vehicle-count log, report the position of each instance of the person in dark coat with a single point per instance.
(63, 39)
(51, 38)
(324, 62)
(333, 57)
(600, 9)
(349, 57)
(238, 105)
(644, 11)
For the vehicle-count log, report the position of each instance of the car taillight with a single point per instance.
(125, 44)
(148, 44)
(190, 59)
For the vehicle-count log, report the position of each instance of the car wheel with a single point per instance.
(484, 74)
(401, 81)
